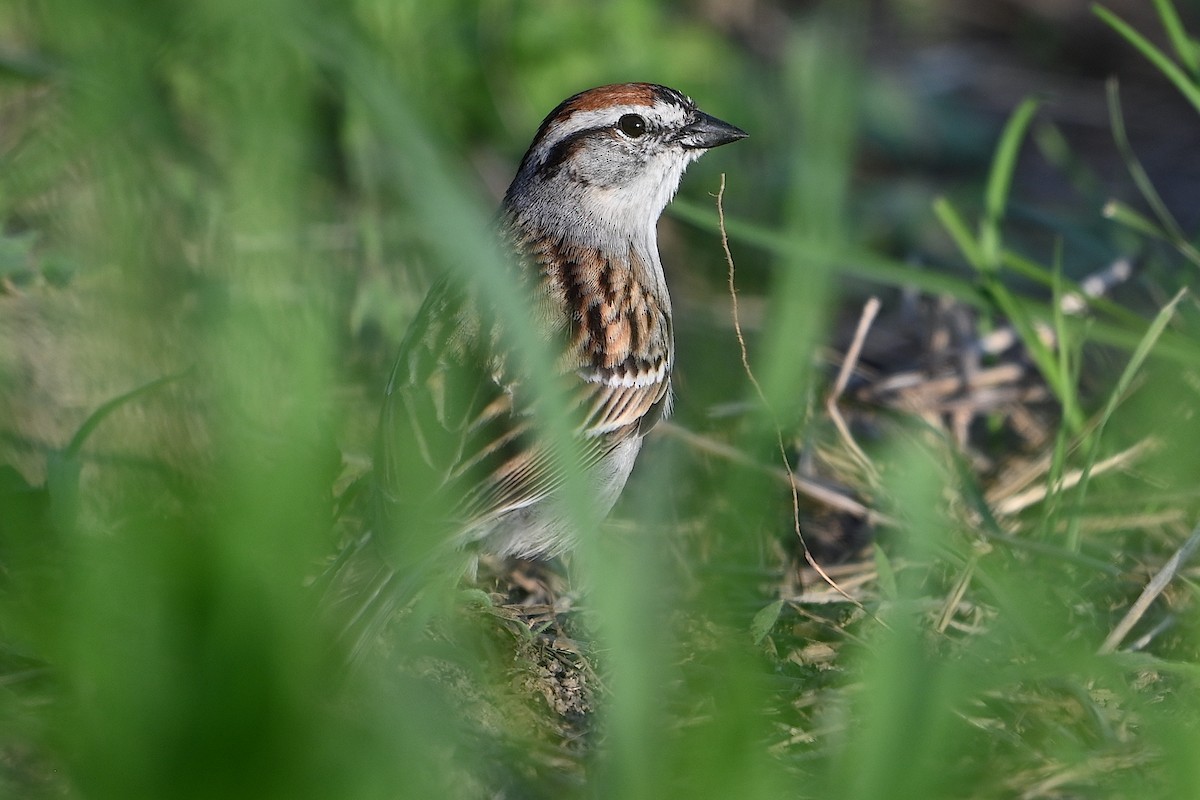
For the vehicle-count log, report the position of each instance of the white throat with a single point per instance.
(612, 219)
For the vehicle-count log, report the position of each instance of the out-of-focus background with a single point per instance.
(218, 218)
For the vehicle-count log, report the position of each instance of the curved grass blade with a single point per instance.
(1004, 163)
(1185, 46)
(1182, 81)
(1119, 392)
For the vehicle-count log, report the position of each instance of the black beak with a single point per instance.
(707, 132)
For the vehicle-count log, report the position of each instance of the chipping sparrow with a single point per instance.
(456, 432)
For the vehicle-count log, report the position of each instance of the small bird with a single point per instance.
(460, 460)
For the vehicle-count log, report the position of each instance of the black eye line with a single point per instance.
(561, 150)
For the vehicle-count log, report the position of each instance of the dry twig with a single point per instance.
(1019, 502)
(809, 488)
(737, 328)
(869, 312)
(1153, 589)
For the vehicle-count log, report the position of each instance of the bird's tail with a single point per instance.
(370, 600)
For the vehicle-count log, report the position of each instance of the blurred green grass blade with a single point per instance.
(957, 227)
(1136, 361)
(991, 529)
(819, 72)
(1133, 662)
(1123, 214)
(1065, 337)
(1185, 46)
(851, 261)
(1043, 356)
(1015, 310)
(1054, 146)
(1116, 121)
(1052, 506)
(1158, 58)
(1026, 268)
(64, 467)
(96, 417)
(1174, 233)
(904, 719)
(887, 574)
(1004, 164)
(765, 619)
(1140, 354)
(866, 265)
(455, 226)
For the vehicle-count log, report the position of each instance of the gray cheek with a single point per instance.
(608, 165)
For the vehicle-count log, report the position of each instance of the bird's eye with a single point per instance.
(632, 125)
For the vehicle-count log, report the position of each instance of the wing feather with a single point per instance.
(458, 440)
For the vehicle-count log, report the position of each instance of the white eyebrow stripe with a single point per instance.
(593, 119)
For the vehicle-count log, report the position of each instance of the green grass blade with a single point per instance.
(866, 265)
(978, 255)
(1035, 272)
(1140, 354)
(956, 226)
(1172, 229)
(1019, 316)
(1185, 46)
(96, 417)
(1004, 163)
(859, 263)
(1066, 345)
(1158, 58)
(1122, 214)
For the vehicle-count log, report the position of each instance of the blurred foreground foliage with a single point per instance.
(237, 207)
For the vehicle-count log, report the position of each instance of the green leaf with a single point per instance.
(765, 620)
(887, 576)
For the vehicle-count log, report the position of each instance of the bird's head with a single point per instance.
(613, 156)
